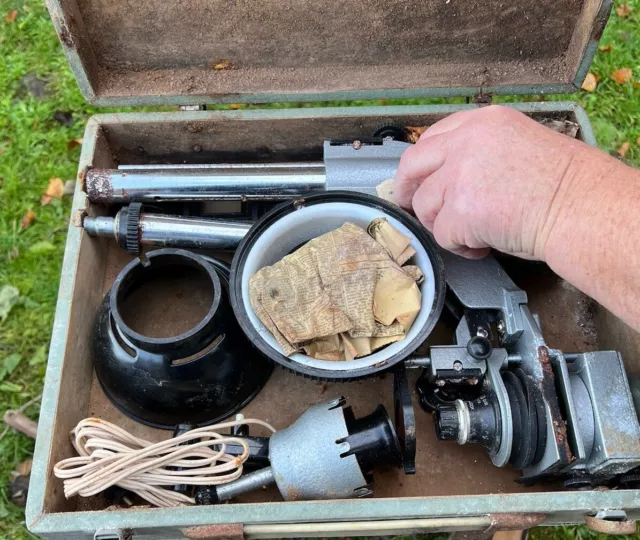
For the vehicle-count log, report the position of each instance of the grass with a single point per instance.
(37, 87)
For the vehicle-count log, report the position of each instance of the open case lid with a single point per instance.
(156, 52)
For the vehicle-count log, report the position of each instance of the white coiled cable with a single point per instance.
(109, 455)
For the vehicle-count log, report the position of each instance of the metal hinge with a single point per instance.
(111, 534)
(481, 99)
(193, 107)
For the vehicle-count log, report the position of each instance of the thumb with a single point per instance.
(416, 164)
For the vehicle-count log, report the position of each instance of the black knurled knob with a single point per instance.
(133, 231)
(447, 424)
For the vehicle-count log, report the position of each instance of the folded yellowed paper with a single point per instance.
(342, 295)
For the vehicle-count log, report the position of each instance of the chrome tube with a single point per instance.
(173, 231)
(192, 233)
(187, 183)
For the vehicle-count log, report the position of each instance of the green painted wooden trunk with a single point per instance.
(162, 53)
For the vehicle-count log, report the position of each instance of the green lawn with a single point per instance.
(41, 111)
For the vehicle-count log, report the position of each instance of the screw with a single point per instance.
(439, 382)
(356, 145)
(457, 365)
(482, 332)
(501, 327)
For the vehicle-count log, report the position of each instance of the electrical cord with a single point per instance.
(109, 455)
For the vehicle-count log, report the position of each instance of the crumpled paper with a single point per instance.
(342, 295)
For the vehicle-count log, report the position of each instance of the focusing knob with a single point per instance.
(390, 131)
(479, 347)
(447, 424)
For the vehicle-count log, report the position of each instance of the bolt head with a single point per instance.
(439, 382)
(457, 365)
(356, 145)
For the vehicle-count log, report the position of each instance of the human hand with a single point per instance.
(493, 178)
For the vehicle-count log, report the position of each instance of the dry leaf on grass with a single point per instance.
(606, 48)
(72, 143)
(220, 65)
(24, 468)
(622, 75)
(624, 10)
(54, 191)
(624, 148)
(413, 133)
(28, 219)
(590, 83)
(12, 16)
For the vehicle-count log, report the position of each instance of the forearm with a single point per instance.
(593, 235)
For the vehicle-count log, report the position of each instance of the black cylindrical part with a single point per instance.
(373, 440)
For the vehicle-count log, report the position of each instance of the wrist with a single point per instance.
(585, 192)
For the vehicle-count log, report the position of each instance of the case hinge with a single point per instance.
(193, 107)
(481, 99)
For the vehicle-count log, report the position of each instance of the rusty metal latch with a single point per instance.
(611, 522)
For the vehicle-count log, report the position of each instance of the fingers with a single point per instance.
(449, 232)
(417, 163)
(428, 199)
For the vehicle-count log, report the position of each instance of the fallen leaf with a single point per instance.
(413, 133)
(28, 219)
(219, 65)
(54, 190)
(24, 468)
(590, 83)
(12, 16)
(9, 364)
(624, 10)
(39, 357)
(606, 48)
(234, 106)
(72, 143)
(9, 297)
(64, 117)
(624, 148)
(622, 75)
(42, 247)
(69, 188)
